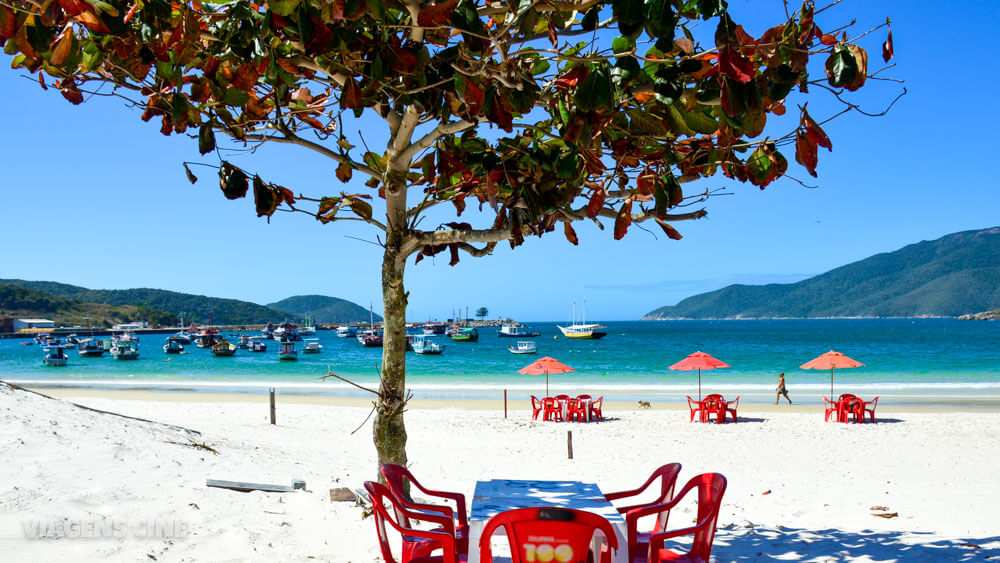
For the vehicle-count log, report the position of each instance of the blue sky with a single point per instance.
(95, 197)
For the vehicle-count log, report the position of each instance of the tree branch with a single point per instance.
(429, 139)
(291, 138)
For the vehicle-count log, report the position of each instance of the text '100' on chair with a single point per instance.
(666, 476)
(562, 535)
(457, 520)
(397, 517)
(711, 487)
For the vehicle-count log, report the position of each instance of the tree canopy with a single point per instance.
(541, 113)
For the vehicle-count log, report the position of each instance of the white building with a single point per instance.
(131, 326)
(33, 325)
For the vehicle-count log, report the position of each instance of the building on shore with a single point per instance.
(138, 325)
(33, 325)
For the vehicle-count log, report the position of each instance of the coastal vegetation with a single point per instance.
(954, 275)
(21, 302)
(539, 114)
(323, 309)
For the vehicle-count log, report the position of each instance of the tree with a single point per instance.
(540, 113)
(482, 312)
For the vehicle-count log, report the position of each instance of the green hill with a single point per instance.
(21, 302)
(323, 309)
(951, 276)
(195, 307)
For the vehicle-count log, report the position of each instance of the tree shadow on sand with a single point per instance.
(799, 544)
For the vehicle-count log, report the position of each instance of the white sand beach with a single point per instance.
(938, 470)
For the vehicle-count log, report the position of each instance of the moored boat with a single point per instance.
(287, 331)
(223, 348)
(582, 330)
(467, 334)
(124, 349)
(514, 331)
(346, 331)
(312, 346)
(433, 328)
(207, 338)
(90, 348)
(173, 345)
(288, 351)
(427, 344)
(56, 357)
(370, 338)
(524, 347)
(244, 341)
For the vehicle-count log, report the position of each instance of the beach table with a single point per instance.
(500, 495)
(564, 405)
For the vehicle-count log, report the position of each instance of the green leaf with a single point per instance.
(283, 7)
(235, 97)
(712, 8)
(630, 12)
(660, 20)
(590, 19)
(595, 91)
(622, 44)
(206, 138)
(758, 166)
(540, 66)
(841, 68)
(647, 123)
(700, 121)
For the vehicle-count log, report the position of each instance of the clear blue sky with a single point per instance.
(93, 196)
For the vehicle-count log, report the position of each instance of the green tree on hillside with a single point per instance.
(540, 114)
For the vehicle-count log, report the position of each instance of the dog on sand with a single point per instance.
(645, 404)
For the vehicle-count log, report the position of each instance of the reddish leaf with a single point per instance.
(596, 203)
(131, 12)
(435, 15)
(402, 61)
(670, 231)
(350, 96)
(828, 39)
(328, 204)
(190, 175)
(570, 233)
(91, 22)
(646, 182)
(805, 152)
(8, 23)
(861, 58)
(887, 51)
(69, 90)
(454, 254)
(264, 198)
(735, 66)
(474, 97)
(234, 182)
(344, 173)
(572, 78)
(286, 65)
(61, 49)
(73, 7)
(623, 220)
(246, 77)
(284, 194)
(814, 131)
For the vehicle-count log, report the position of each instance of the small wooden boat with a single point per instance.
(207, 338)
(223, 348)
(90, 348)
(287, 351)
(425, 344)
(55, 357)
(467, 334)
(244, 343)
(124, 349)
(257, 344)
(524, 347)
(370, 339)
(312, 346)
(173, 346)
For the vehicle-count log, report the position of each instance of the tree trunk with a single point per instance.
(388, 427)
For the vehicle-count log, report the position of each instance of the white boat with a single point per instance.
(173, 346)
(307, 330)
(55, 357)
(288, 351)
(90, 348)
(184, 337)
(244, 343)
(223, 348)
(514, 331)
(524, 347)
(312, 346)
(347, 331)
(257, 344)
(287, 331)
(125, 349)
(426, 344)
(582, 330)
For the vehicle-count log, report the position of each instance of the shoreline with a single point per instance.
(514, 404)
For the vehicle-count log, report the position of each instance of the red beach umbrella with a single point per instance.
(831, 360)
(545, 366)
(698, 361)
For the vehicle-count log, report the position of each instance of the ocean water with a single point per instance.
(911, 361)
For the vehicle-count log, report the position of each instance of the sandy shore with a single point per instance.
(799, 489)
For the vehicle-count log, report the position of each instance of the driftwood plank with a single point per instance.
(245, 487)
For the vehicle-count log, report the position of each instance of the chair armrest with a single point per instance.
(631, 493)
(459, 499)
(657, 540)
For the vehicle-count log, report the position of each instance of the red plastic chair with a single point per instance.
(547, 534)
(584, 397)
(830, 407)
(595, 409)
(851, 405)
(870, 409)
(731, 407)
(551, 409)
(536, 407)
(714, 404)
(710, 487)
(696, 407)
(379, 495)
(576, 409)
(638, 541)
(458, 518)
(562, 398)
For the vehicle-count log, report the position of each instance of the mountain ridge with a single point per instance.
(953, 275)
(324, 309)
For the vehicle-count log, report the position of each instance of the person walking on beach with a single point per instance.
(781, 389)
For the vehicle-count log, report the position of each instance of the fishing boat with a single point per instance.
(433, 328)
(308, 329)
(287, 351)
(173, 346)
(268, 331)
(427, 344)
(312, 346)
(582, 330)
(370, 338)
(207, 338)
(347, 331)
(244, 343)
(71, 342)
(287, 331)
(467, 334)
(124, 348)
(524, 347)
(55, 357)
(257, 344)
(514, 331)
(223, 348)
(90, 348)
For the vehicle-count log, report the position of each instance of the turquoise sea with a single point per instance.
(907, 361)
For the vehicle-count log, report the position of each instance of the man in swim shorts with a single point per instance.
(781, 389)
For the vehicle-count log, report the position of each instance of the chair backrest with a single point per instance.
(714, 397)
(544, 534)
(535, 403)
(870, 405)
(847, 397)
(562, 397)
(380, 495)
(711, 487)
(598, 402)
(550, 403)
(394, 476)
(584, 397)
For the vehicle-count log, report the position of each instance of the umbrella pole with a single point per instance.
(547, 384)
(831, 384)
(699, 385)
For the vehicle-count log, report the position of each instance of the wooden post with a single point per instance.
(569, 442)
(505, 403)
(272, 405)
